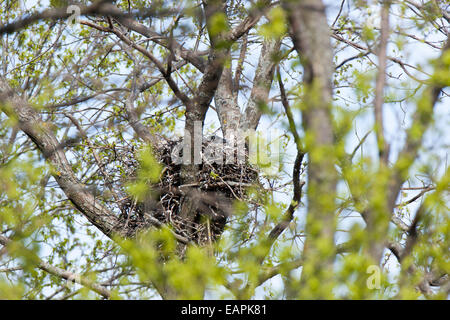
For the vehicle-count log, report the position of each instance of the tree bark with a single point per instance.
(311, 36)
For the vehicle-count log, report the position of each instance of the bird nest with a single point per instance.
(217, 184)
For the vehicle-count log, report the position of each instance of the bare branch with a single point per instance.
(421, 120)
(67, 275)
(261, 84)
(100, 8)
(41, 134)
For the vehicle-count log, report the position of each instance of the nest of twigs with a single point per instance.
(216, 186)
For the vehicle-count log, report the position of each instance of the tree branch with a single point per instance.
(67, 275)
(421, 121)
(261, 84)
(383, 149)
(43, 137)
(310, 33)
